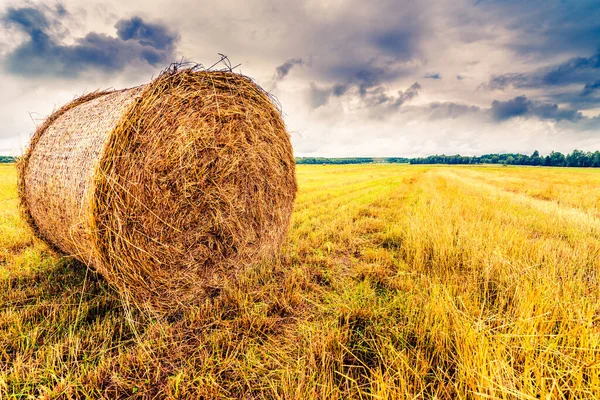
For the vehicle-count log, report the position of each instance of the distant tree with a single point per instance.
(7, 159)
(535, 158)
(557, 159)
(547, 161)
(596, 159)
(575, 159)
(588, 159)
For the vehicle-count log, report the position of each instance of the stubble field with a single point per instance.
(396, 281)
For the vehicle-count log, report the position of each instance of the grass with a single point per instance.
(396, 282)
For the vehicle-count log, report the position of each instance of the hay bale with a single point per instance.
(165, 187)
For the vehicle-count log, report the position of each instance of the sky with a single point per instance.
(353, 77)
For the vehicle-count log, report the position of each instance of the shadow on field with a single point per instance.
(66, 291)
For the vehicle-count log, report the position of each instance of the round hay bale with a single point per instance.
(166, 187)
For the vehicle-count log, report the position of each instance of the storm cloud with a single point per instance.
(590, 89)
(42, 53)
(147, 34)
(545, 28)
(521, 106)
(397, 101)
(576, 70)
(577, 76)
(285, 68)
(371, 96)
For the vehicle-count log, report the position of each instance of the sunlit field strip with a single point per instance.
(539, 277)
(564, 214)
(551, 184)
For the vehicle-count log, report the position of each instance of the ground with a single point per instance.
(396, 281)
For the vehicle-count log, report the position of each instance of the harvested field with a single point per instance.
(399, 281)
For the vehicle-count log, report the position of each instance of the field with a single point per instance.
(396, 281)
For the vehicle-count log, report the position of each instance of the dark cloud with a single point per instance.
(358, 51)
(398, 42)
(147, 34)
(502, 81)
(449, 110)
(521, 106)
(29, 19)
(378, 98)
(367, 77)
(372, 97)
(407, 95)
(317, 96)
(516, 107)
(359, 46)
(499, 111)
(339, 90)
(285, 68)
(577, 70)
(548, 27)
(433, 76)
(61, 10)
(359, 75)
(362, 45)
(581, 71)
(590, 88)
(42, 54)
(367, 80)
(380, 105)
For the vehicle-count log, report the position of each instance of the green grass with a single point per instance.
(397, 281)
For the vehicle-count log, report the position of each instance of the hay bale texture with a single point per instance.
(166, 187)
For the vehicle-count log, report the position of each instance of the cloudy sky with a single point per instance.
(354, 77)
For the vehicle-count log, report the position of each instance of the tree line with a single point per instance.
(576, 158)
(7, 159)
